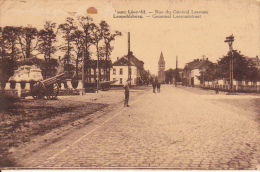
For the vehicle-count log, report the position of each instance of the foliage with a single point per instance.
(10, 40)
(7, 98)
(170, 74)
(209, 73)
(28, 40)
(6, 69)
(79, 35)
(242, 70)
(47, 38)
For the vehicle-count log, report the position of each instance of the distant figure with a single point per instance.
(217, 88)
(126, 87)
(154, 87)
(158, 87)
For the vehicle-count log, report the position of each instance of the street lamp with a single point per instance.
(230, 40)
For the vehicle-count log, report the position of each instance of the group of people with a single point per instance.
(156, 85)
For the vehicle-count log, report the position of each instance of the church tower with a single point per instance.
(161, 69)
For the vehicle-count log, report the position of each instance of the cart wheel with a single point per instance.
(52, 91)
(38, 90)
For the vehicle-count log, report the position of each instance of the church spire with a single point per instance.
(161, 58)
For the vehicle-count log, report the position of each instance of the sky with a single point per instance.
(187, 38)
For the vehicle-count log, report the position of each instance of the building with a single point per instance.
(91, 70)
(161, 68)
(192, 71)
(119, 72)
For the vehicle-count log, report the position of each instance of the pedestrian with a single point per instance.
(154, 87)
(127, 88)
(217, 88)
(158, 87)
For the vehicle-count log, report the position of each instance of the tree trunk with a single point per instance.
(77, 64)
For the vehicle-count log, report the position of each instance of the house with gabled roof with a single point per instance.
(192, 70)
(119, 73)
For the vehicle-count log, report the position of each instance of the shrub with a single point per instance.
(7, 98)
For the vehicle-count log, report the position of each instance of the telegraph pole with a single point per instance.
(176, 71)
(129, 66)
(230, 40)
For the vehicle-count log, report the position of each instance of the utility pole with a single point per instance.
(129, 66)
(176, 71)
(230, 40)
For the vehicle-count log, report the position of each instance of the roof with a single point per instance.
(197, 64)
(123, 61)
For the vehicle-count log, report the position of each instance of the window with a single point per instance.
(114, 71)
(121, 80)
(121, 71)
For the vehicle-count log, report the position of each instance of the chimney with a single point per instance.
(117, 58)
(207, 58)
(257, 56)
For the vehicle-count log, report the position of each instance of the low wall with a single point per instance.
(22, 89)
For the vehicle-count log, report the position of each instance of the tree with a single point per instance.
(47, 38)
(97, 37)
(79, 43)
(28, 40)
(2, 44)
(170, 74)
(10, 35)
(208, 73)
(67, 29)
(108, 37)
(243, 70)
(8, 51)
(86, 23)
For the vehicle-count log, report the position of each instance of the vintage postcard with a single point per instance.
(130, 84)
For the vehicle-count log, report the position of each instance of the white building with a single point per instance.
(119, 71)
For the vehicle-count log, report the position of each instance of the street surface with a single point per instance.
(173, 129)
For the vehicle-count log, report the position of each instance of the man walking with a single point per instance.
(158, 87)
(154, 87)
(126, 87)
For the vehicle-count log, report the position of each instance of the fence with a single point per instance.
(236, 88)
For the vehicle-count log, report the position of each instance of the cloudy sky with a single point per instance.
(187, 38)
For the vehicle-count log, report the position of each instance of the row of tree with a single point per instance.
(78, 35)
(244, 69)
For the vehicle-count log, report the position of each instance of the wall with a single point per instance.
(124, 76)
